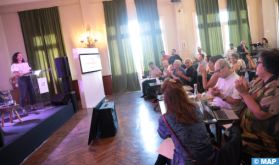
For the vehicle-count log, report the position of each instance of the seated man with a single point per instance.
(191, 72)
(224, 92)
(180, 74)
(154, 72)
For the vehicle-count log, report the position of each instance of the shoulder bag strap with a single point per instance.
(174, 135)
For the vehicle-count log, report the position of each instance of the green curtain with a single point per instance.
(238, 22)
(150, 31)
(124, 76)
(43, 41)
(209, 26)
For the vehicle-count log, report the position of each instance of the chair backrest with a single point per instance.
(13, 82)
(230, 153)
(6, 98)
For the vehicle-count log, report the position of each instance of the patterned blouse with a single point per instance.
(261, 137)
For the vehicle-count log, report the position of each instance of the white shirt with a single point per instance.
(153, 73)
(22, 68)
(227, 87)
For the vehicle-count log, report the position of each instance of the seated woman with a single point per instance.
(166, 70)
(190, 137)
(260, 119)
(209, 79)
(237, 64)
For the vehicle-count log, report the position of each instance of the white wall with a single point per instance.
(269, 21)
(72, 29)
(255, 17)
(185, 13)
(5, 60)
(166, 11)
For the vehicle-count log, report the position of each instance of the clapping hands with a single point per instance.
(202, 70)
(179, 73)
(215, 91)
(242, 86)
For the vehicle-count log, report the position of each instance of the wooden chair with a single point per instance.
(9, 106)
(15, 90)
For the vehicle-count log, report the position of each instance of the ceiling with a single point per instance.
(15, 2)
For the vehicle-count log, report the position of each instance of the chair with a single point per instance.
(8, 105)
(230, 153)
(15, 90)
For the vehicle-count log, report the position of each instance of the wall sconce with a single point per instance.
(88, 39)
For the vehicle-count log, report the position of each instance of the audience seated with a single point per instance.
(154, 72)
(224, 92)
(209, 79)
(164, 56)
(190, 72)
(179, 74)
(201, 63)
(260, 119)
(237, 64)
(166, 70)
(189, 135)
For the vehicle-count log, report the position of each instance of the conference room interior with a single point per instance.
(125, 56)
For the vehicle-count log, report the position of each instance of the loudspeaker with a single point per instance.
(62, 67)
(104, 121)
(63, 72)
(108, 122)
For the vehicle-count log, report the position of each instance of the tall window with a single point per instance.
(238, 21)
(150, 31)
(43, 41)
(209, 26)
(225, 28)
(124, 75)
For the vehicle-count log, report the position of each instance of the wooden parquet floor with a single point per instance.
(136, 141)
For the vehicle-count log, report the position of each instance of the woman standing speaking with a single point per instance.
(21, 72)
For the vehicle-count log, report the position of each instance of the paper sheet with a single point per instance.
(166, 148)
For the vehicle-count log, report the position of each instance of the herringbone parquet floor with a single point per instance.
(135, 143)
